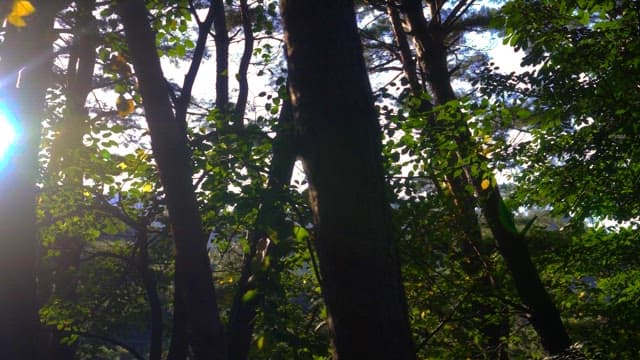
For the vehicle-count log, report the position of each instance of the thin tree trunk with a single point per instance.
(544, 316)
(173, 158)
(27, 52)
(151, 289)
(340, 144)
(179, 345)
(67, 156)
(222, 60)
(408, 62)
(465, 216)
(270, 219)
(247, 52)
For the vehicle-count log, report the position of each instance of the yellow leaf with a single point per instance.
(260, 342)
(118, 61)
(20, 9)
(141, 154)
(124, 106)
(118, 64)
(485, 184)
(16, 21)
(122, 166)
(147, 188)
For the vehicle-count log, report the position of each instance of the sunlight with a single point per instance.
(7, 135)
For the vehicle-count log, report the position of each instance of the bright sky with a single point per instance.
(503, 55)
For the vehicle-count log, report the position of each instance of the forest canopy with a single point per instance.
(209, 179)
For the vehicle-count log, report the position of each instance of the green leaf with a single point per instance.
(249, 295)
(300, 233)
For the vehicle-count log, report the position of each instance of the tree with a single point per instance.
(169, 141)
(339, 140)
(23, 91)
(429, 37)
(579, 106)
(432, 58)
(67, 155)
(270, 224)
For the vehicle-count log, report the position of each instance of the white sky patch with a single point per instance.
(614, 225)
(506, 58)
(204, 87)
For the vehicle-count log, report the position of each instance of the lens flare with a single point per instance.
(7, 136)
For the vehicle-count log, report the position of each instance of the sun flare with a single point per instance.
(7, 136)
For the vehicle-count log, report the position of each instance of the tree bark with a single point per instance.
(247, 52)
(179, 346)
(173, 158)
(150, 285)
(25, 72)
(408, 62)
(339, 139)
(222, 60)
(543, 314)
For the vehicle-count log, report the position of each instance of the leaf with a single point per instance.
(249, 295)
(485, 184)
(124, 106)
(300, 233)
(20, 9)
(181, 50)
(523, 113)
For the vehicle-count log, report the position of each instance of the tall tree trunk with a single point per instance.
(340, 144)
(247, 52)
(222, 60)
(25, 72)
(271, 219)
(543, 314)
(432, 57)
(67, 155)
(466, 221)
(179, 345)
(173, 158)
